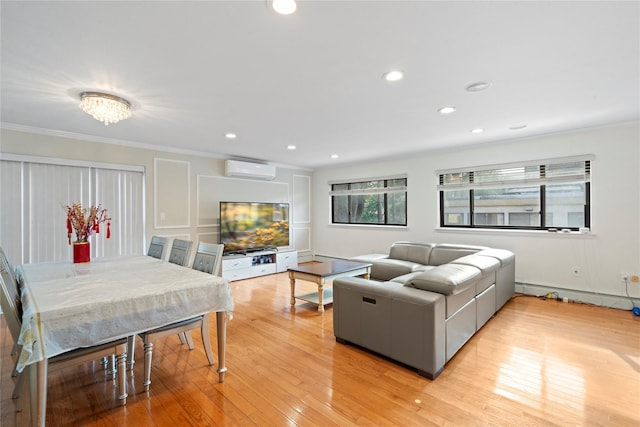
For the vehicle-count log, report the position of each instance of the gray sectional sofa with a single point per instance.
(423, 301)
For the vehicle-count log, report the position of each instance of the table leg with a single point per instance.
(131, 348)
(292, 280)
(148, 357)
(38, 392)
(221, 326)
(320, 295)
(121, 363)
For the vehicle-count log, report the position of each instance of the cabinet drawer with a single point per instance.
(236, 263)
(261, 270)
(286, 260)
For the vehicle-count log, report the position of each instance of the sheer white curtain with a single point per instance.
(34, 194)
(122, 194)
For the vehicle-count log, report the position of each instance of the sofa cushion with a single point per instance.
(504, 256)
(446, 279)
(445, 253)
(407, 278)
(408, 251)
(486, 264)
(368, 258)
(387, 268)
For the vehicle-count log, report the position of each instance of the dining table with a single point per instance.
(68, 305)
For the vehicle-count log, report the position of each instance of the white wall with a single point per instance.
(543, 259)
(178, 184)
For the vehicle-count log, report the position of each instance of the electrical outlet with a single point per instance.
(624, 276)
(575, 271)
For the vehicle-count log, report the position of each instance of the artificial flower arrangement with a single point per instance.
(85, 222)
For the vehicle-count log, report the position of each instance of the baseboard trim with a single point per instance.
(604, 300)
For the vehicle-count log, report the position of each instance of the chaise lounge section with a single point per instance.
(423, 302)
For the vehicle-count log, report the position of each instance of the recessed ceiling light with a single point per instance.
(477, 130)
(291, 147)
(334, 156)
(446, 110)
(518, 127)
(230, 135)
(478, 86)
(284, 7)
(393, 76)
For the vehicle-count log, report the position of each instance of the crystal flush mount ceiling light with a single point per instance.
(284, 7)
(104, 107)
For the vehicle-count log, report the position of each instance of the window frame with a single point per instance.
(385, 191)
(541, 181)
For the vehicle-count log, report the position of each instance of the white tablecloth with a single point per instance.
(68, 305)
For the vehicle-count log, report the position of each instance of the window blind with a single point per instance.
(33, 215)
(545, 172)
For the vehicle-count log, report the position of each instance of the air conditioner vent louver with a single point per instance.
(238, 169)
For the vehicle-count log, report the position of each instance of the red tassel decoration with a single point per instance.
(108, 229)
(69, 230)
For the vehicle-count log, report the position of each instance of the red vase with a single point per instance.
(81, 252)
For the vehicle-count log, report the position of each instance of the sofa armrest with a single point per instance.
(400, 322)
(446, 279)
(390, 268)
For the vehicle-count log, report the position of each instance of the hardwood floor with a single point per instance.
(537, 363)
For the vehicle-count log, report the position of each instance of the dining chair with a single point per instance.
(180, 251)
(208, 259)
(157, 246)
(9, 276)
(8, 297)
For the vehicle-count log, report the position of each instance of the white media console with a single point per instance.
(260, 263)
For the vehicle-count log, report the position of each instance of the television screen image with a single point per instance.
(249, 226)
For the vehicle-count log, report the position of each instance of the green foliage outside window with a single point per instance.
(378, 202)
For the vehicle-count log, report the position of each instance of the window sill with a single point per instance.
(370, 226)
(505, 232)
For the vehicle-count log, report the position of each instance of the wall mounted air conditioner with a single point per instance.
(238, 169)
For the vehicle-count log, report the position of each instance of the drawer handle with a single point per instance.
(368, 300)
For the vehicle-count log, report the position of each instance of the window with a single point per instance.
(380, 201)
(534, 195)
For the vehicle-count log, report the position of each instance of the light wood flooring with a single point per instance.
(536, 363)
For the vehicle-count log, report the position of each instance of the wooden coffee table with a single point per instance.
(321, 273)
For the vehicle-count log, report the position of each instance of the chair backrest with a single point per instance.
(156, 247)
(180, 251)
(9, 276)
(5, 260)
(208, 258)
(8, 298)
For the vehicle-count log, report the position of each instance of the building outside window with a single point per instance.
(538, 195)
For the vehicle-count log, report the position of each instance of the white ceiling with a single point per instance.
(195, 70)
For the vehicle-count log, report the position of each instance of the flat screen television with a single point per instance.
(252, 226)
